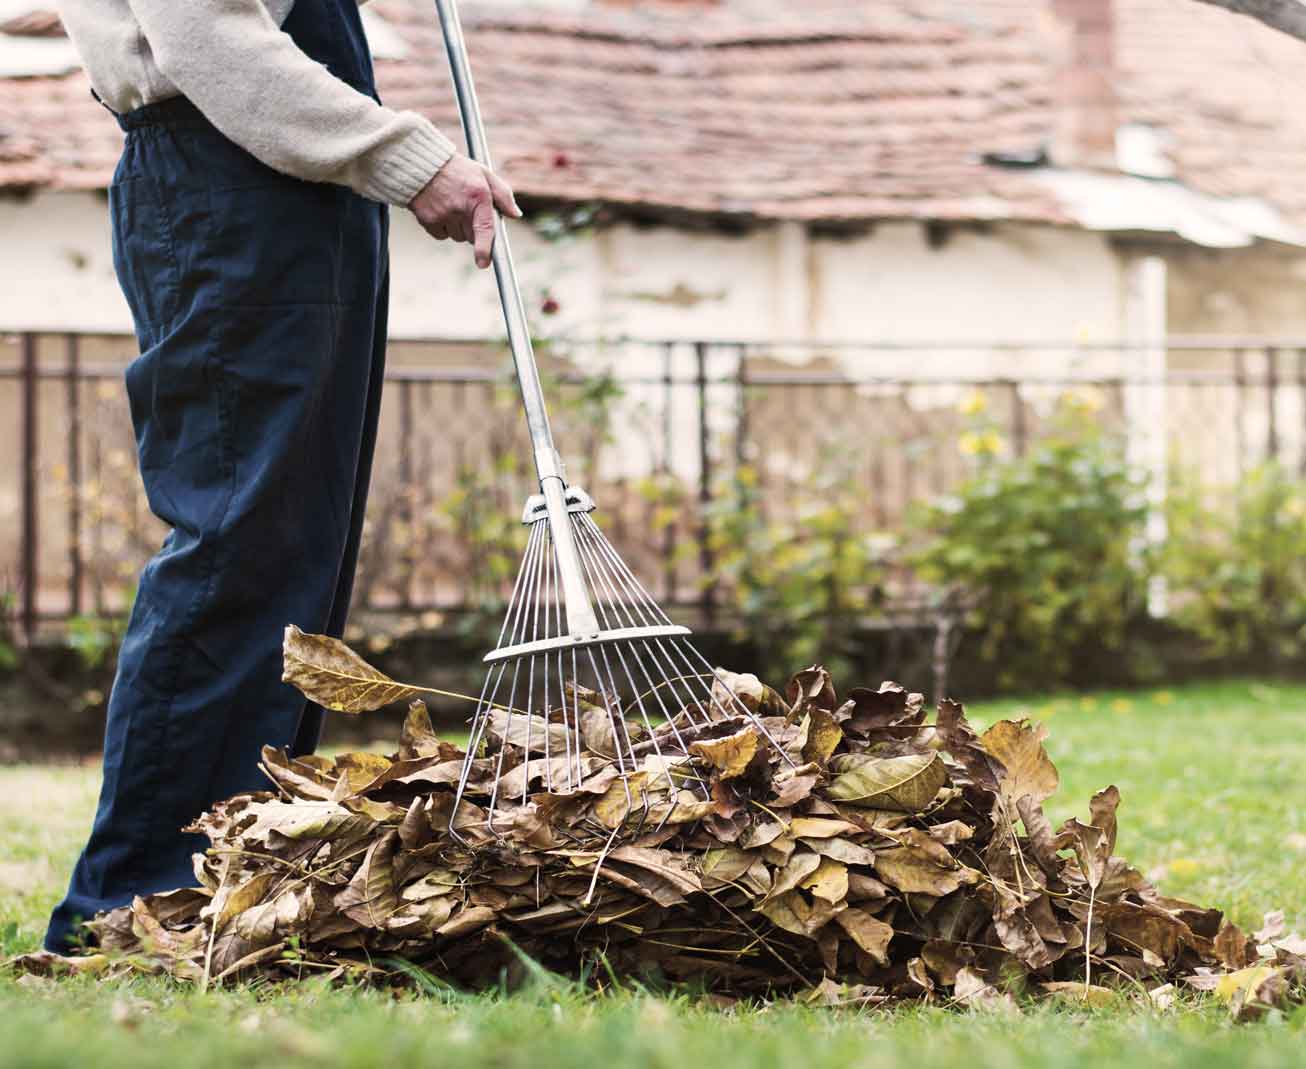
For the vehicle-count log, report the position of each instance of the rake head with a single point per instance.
(562, 709)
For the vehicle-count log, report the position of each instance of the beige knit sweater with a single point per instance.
(230, 58)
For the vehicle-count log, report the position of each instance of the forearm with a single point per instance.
(254, 84)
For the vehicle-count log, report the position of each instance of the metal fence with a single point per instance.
(656, 430)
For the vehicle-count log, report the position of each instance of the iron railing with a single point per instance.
(654, 429)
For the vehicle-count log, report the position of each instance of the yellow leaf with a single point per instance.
(820, 828)
(731, 755)
(328, 672)
(823, 736)
(1028, 772)
(829, 881)
(1244, 982)
(906, 784)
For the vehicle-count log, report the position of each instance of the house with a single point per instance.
(832, 170)
(1013, 187)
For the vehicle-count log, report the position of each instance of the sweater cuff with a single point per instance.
(401, 170)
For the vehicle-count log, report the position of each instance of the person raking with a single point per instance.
(249, 225)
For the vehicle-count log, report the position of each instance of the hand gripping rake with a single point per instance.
(582, 637)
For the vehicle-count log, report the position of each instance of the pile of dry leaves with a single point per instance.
(880, 857)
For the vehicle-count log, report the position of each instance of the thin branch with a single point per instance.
(1289, 16)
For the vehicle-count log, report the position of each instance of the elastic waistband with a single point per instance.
(171, 112)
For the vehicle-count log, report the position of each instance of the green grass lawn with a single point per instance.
(1213, 780)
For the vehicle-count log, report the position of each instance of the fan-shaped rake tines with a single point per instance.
(611, 710)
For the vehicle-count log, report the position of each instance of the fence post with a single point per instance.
(741, 408)
(1301, 396)
(1147, 401)
(668, 423)
(1239, 420)
(1271, 403)
(407, 512)
(1019, 434)
(73, 377)
(705, 555)
(29, 460)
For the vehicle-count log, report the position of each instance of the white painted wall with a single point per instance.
(1013, 283)
(56, 265)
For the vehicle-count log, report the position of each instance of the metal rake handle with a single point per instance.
(548, 464)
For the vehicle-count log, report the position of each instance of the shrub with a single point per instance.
(1235, 565)
(1044, 550)
(800, 589)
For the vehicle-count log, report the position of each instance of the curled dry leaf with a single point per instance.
(1027, 772)
(331, 674)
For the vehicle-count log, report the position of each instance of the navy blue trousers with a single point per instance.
(260, 309)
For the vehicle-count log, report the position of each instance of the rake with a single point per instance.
(582, 638)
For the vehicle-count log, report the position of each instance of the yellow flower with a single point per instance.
(1084, 398)
(1184, 866)
(973, 403)
(1163, 697)
(977, 443)
(1122, 705)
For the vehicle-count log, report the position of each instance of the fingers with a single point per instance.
(483, 230)
(502, 193)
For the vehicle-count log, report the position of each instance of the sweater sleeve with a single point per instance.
(255, 85)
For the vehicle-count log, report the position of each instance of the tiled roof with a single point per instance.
(823, 111)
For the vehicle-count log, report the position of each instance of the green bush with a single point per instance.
(801, 589)
(8, 644)
(1044, 550)
(1235, 565)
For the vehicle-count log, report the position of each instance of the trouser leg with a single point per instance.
(310, 724)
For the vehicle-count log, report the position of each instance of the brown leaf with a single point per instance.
(751, 692)
(528, 732)
(1089, 844)
(841, 850)
(811, 687)
(823, 736)
(296, 778)
(731, 755)
(794, 913)
(662, 863)
(951, 832)
(370, 897)
(829, 881)
(801, 865)
(1233, 948)
(328, 672)
(921, 865)
(1026, 770)
(791, 786)
(820, 828)
(890, 712)
(418, 738)
(872, 935)
(907, 784)
(965, 747)
(1147, 928)
(259, 927)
